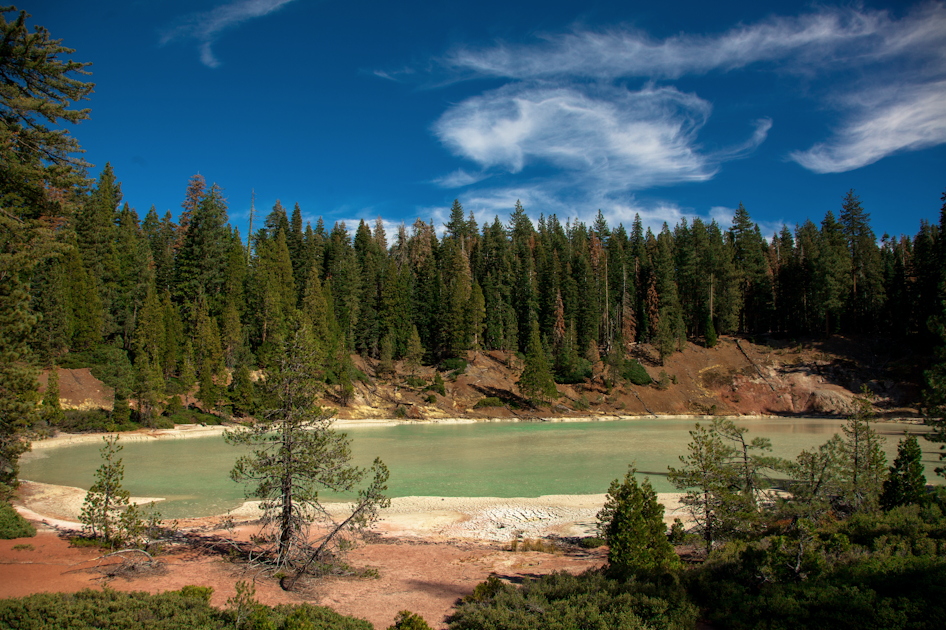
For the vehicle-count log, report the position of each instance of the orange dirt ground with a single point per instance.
(424, 576)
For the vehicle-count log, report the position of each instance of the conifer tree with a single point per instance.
(905, 483)
(415, 351)
(863, 463)
(148, 387)
(52, 409)
(535, 382)
(632, 523)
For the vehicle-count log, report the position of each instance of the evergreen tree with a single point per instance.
(934, 395)
(243, 392)
(415, 351)
(148, 388)
(863, 463)
(536, 382)
(631, 522)
(52, 409)
(905, 483)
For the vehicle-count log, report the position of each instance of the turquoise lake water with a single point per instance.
(504, 459)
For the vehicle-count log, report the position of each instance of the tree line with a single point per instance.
(191, 300)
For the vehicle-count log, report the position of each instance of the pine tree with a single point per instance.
(632, 523)
(536, 382)
(52, 409)
(148, 388)
(415, 351)
(105, 500)
(295, 453)
(863, 463)
(934, 395)
(905, 483)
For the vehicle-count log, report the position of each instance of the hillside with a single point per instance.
(737, 377)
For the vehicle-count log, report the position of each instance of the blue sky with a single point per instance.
(357, 109)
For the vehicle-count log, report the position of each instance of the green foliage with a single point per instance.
(431, 399)
(106, 499)
(589, 600)
(635, 373)
(187, 608)
(454, 364)
(489, 401)
(52, 410)
(882, 570)
(535, 382)
(905, 483)
(406, 620)
(663, 381)
(415, 381)
(632, 523)
(709, 333)
(400, 412)
(294, 453)
(723, 477)
(863, 463)
(12, 525)
(592, 542)
(438, 385)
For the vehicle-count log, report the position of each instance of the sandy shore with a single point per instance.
(471, 518)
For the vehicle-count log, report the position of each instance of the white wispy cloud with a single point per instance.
(641, 138)
(207, 26)
(884, 122)
(883, 75)
(831, 37)
(458, 179)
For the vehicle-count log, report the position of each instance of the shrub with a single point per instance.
(438, 385)
(12, 525)
(92, 421)
(415, 381)
(187, 608)
(592, 542)
(663, 380)
(489, 401)
(456, 365)
(406, 620)
(400, 412)
(635, 373)
(562, 600)
(578, 374)
(581, 404)
(431, 399)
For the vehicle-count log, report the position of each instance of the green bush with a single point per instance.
(92, 421)
(192, 416)
(438, 385)
(489, 401)
(663, 381)
(592, 542)
(635, 373)
(589, 600)
(12, 525)
(431, 399)
(581, 404)
(400, 412)
(415, 381)
(578, 374)
(187, 608)
(871, 571)
(406, 620)
(454, 365)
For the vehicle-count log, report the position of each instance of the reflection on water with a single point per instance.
(485, 459)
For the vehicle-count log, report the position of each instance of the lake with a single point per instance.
(498, 459)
